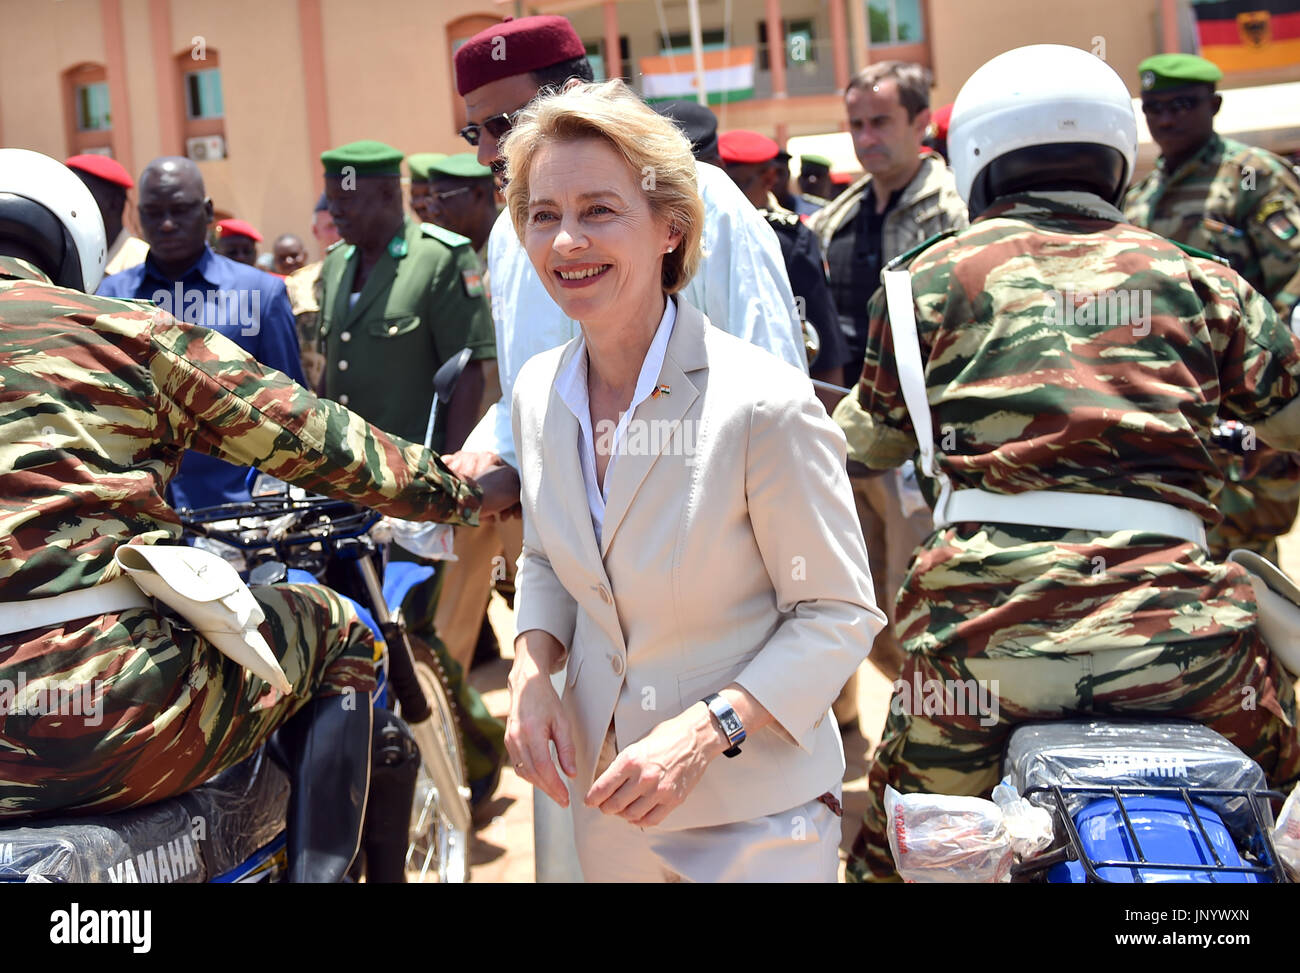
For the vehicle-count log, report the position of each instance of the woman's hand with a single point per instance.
(537, 717)
(649, 779)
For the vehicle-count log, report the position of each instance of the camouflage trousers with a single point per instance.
(134, 707)
(1259, 502)
(953, 745)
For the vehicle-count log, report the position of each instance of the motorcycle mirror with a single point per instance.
(446, 377)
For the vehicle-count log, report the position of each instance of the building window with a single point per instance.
(895, 22)
(203, 94)
(799, 47)
(92, 107)
(87, 110)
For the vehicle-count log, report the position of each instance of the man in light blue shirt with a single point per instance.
(185, 277)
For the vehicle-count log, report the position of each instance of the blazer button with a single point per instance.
(616, 662)
(345, 336)
(343, 366)
(343, 399)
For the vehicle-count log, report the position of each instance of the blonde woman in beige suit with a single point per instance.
(691, 549)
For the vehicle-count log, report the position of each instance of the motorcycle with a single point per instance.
(1096, 800)
(232, 828)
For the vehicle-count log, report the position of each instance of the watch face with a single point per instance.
(730, 724)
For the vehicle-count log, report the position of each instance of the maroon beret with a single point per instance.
(515, 47)
(102, 166)
(741, 147)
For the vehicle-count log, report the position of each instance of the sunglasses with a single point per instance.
(1174, 106)
(496, 126)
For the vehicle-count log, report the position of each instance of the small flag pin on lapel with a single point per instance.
(659, 390)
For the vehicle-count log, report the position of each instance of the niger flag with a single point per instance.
(1246, 35)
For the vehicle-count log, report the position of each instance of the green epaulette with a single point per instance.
(908, 255)
(445, 236)
(1205, 254)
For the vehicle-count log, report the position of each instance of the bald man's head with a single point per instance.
(174, 213)
(290, 253)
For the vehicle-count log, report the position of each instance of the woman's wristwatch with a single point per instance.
(728, 721)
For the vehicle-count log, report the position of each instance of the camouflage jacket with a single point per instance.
(1068, 351)
(1234, 200)
(100, 397)
(304, 288)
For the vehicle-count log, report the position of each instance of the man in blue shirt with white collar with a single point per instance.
(185, 277)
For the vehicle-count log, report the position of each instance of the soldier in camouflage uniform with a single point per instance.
(1241, 203)
(1030, 389)
(99, 399)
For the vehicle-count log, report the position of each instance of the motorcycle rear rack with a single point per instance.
(1074, 851)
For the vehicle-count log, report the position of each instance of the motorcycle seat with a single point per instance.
(198, 836)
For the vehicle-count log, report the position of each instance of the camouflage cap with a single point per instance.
(419, 162)
(1165, 71)
(365, 158)
(462, 165)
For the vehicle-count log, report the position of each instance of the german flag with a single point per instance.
(1247, 35)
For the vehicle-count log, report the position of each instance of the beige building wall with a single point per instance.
(266, 177)
(965, 34)
(142, 83)
(39, 41)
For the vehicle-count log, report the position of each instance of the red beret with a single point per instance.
(238, 228)
(842, 178)
(102, 166)
(515, 47)
(940, 118)
(741, 147)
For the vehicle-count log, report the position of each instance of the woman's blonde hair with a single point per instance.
(652, 145)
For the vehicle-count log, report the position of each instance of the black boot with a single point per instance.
(327, 747)
(392, 793)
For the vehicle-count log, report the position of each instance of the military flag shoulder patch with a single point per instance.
(473, 281)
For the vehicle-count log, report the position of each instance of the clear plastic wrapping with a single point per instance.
(1107, 753)
(1286, 836)
(190, 838)
(941, 838)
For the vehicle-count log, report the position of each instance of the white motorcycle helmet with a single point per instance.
(49, 211)
(1043, 115)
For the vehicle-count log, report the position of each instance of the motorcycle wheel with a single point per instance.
(440, 817)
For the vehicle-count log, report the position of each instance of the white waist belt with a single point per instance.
(1070, 511)
(19, 616)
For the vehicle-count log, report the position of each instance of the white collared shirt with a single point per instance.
(571, 385)
(741, 286)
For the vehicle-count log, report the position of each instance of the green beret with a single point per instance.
(462, 165)
(366, 158)
(815, 160)
(1165, 71)
(419, 163)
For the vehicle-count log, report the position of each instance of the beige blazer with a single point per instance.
(731, 552)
